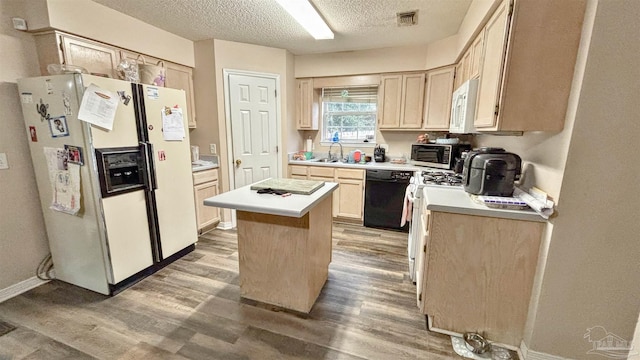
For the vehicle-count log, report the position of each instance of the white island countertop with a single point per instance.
(245, 199)
(454, 200)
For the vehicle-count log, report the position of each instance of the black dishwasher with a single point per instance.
(383, 198)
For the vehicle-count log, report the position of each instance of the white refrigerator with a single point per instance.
(118, 204)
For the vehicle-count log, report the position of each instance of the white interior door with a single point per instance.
(254, 127)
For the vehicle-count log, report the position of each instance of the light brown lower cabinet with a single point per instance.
(476, 274)
(348, 199)
(205, 185)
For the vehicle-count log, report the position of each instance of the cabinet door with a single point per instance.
(491, 70)
(181, 77)
(412, 101)
(477, 47)
(350, 199)
(97, 58)
(465, 66)
(206, 215)
(304, 104)
(437, 104)
(336, 196)
(389, 101)
(458, 76)
(350, 193)
(177, 77)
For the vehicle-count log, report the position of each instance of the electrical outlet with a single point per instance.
(212, 149)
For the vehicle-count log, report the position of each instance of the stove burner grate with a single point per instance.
(441, 178)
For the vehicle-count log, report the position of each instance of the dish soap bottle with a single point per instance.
(335, 137)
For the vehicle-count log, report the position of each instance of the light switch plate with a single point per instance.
(212, 149)
(4, 164)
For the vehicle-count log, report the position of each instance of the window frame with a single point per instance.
(324, 114)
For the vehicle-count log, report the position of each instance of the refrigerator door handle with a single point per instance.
(150, 176)
(151, 166)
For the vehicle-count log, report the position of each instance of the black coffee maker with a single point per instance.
(379, 154)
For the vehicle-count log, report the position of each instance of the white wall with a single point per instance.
(407, 58)
(23, 241)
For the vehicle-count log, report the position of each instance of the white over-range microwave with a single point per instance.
(463, 108)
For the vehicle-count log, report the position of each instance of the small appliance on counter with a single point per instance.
(491, 172)
(441, 156)
(379, 154)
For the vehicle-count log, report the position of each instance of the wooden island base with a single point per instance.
(284, 260)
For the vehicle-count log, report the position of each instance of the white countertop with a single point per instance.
(195, 168)
(245, 199)
(456, 200)
(369, 165)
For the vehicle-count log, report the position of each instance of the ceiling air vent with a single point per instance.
(407, 18)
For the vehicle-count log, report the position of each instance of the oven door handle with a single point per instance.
(410, 195)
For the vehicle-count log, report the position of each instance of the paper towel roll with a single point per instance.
(309, 146)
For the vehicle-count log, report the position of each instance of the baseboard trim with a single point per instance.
(225, 225)
(527, 354)
(19, 288)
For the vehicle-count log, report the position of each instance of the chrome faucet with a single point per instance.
(341, 154)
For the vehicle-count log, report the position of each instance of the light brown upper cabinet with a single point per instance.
(56, 47)
(530, 49)
(476, 56)
(98, 59)
(465, 67)
(400, 101)
(457, 81)
(307, 119)
(176, 77)
(437, 103)
(181, 77)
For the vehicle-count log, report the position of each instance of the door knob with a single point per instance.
(238, 162)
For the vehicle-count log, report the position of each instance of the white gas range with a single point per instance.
(425, 177)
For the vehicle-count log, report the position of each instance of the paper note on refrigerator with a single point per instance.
(172, 124)
(65, 181)
(98, 107)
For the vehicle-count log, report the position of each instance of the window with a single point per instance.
(351, 113)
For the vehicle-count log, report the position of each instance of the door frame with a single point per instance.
(226, 73)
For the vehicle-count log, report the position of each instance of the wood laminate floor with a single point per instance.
(192, 310)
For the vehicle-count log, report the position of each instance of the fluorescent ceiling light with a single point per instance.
(307, 16)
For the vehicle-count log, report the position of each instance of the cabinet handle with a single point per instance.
(424, 249)
(420, 297)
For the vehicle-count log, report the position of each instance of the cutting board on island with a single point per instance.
(294, 186)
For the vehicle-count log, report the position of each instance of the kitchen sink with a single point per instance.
(325, 160)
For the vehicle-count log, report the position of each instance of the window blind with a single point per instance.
(368, 94)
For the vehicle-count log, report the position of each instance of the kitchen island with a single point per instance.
(284, 244)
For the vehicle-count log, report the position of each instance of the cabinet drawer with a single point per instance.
(205, 176)
(321, 171)
(298, 170)
(349, 174)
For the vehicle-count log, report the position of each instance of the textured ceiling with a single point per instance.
(357, 24)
